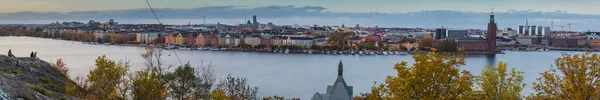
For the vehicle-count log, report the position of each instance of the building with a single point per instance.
(179, 39)
(481, 45)
(440, 33)
(595, 43)
(558, 42)
(338, 91)
(303, 41)
(491, 36)
(214, 40)
(456, 33)
(252, 41)
(146, 38)
(200, 41)
(254, 22)
(473, 45)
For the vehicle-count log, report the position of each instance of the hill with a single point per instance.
(31, 79)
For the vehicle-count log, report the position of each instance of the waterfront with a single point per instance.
(289, 75)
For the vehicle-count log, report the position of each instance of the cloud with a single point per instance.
(320, 15)
(40, 3)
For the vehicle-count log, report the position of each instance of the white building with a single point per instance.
(146, 37)
(252, 41)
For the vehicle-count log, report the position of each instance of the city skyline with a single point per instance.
(380, 6)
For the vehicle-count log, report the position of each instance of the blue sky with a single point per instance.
(384, 6)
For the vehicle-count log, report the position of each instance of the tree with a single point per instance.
(577, 78)
(61, 66)
(181, 82)
(149, 83)
(403, 48)
(427, 41)
(432, 77)
(105, 78)
(236, 88)
(146, 85)
(499, 84)
(204, 83)
(448, 45)
(278, 98)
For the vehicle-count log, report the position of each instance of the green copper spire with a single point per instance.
(492, 16)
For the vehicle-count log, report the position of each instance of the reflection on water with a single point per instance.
(289, 75)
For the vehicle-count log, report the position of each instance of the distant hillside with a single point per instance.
(308, 15)
(31, 79)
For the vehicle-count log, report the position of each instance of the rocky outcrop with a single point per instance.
(32, 79)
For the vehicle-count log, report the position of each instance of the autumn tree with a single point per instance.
(61, 66)
(431, 77)
(573, 77)
(236, 88)
(427, 42)
(105, 79)
(149, 82)
(498, 83)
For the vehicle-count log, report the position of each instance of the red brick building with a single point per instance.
(214, 40)
(266, 42)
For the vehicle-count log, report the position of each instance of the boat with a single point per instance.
(170, 47)
(397, 52)
(310, 52)
(403, 53)
(385, 53)
(360, 52)
(287, 50)
(352, 52)
(184, 48)
(372, 53)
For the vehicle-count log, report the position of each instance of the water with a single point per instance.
(289, 75)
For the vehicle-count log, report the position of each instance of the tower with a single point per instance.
(491, 36)
(254, 21)
(526, 26)
(340, 69)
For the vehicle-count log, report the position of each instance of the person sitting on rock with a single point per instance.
(10, 53)
(31, 55)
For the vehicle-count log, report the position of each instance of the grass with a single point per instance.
(36, 66)
(44, 80)
(40, 90)
(18, 71)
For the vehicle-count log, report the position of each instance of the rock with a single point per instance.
(32, 79)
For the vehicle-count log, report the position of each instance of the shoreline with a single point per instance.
(334, 52)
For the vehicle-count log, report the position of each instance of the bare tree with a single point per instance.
(205, 82)
(236, 88)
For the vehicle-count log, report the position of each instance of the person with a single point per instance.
(10, 53)
(31, 55)
(34, 54)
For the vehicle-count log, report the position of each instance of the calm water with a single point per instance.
(289, 75)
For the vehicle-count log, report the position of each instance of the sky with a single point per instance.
(583, 15)
(383, 6)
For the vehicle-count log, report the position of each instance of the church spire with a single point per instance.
(340, 69)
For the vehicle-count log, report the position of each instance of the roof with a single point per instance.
(338, 91)
(474, 40)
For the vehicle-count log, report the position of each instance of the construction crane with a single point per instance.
(551, 25)
(569, 26)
